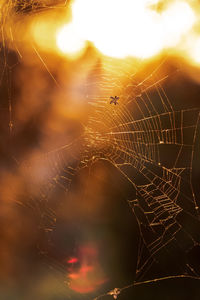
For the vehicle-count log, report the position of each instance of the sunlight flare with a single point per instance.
(134, 29)
(193, 49)
(69, 41)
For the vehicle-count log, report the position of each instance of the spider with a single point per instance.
(114, 100)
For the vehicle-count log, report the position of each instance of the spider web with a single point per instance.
(135, 136)
(151, 142)
(142, 130)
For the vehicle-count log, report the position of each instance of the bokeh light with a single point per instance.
(135, 29)
(69, 41)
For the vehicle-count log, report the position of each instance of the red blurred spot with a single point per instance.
(72, 260)
(89, 277)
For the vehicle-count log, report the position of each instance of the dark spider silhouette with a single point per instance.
(114, 100)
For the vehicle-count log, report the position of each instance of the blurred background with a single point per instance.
(67, 229)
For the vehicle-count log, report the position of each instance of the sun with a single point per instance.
(68, 40)
(134, 29)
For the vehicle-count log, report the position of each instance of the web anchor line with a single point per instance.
(118, 291)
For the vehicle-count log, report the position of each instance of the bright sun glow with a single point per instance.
(196, 51)
(69, 41)
(176, 21)
(193, 49)
(132, 29)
